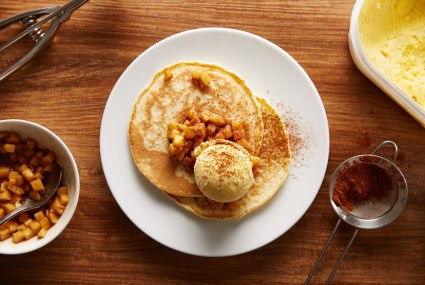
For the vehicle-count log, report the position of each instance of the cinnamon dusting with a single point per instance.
(359, 183)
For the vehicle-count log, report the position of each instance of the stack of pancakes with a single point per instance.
(167, 100)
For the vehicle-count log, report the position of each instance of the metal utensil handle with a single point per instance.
(12, 214)
(342, 257)
(384, 143)
(322, 253)
(58, 15)
(41, 43)
(66, 9)
(17, 18)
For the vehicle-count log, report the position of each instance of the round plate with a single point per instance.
(270, 73)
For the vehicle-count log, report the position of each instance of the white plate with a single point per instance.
(271, 73)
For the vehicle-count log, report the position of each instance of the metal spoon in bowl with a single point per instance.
(51, 183)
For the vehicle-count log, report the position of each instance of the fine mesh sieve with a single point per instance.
(375, 212)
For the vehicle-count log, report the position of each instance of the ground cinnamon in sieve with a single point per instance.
(359, 183)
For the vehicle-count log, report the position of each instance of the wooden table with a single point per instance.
(66, 89)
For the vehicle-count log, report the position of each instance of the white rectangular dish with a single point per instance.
(387, 44)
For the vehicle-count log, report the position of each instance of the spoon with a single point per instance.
(51, 183)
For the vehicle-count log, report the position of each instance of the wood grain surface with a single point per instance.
(66, 88)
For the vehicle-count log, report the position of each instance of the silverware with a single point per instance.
(51, 183)
(57, 15)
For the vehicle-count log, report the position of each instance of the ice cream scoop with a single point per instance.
(223, 170)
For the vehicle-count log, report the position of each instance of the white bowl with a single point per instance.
(365, 64)
(45, 139)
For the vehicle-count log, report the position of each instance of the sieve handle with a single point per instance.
(342, 256)
(384, 143)
(322, 253)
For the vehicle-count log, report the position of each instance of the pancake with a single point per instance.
(168, 100)
(272, 171)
